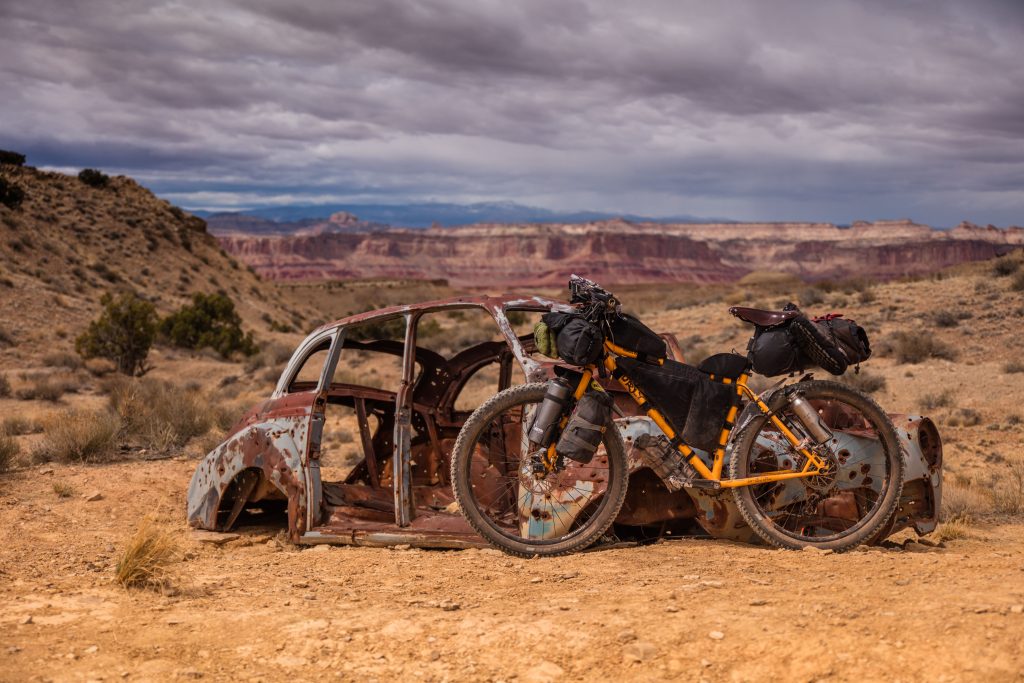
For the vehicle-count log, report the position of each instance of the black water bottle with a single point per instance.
(550, 412)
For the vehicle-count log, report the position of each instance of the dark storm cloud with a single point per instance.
(824, 110)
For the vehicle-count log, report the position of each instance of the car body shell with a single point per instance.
(398, 492)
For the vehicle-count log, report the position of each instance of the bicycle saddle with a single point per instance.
(756, 316)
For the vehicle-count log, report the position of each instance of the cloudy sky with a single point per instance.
(811, 110)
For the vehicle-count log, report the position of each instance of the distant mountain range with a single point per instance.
(497, 255)
(426, 214)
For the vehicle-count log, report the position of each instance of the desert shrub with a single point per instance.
(962, 501)
(946, 318)
(159, 415)
(964, 417)
(272, 355)
(1008, 493)
(94, 178)
(80, 436)
(104, 271)
(11, 158)
(811, 296)
(16, 425)
(11, 195)
(942, 399)
(516, 318)
(210, 321)
(377, 329)
(1005, 265)
(865, 381)
(9, 450)
(5, 386)
(63, 489)
(62, 359)
(123, 333)
(1017, 283)
(909, 347)
(146, 558)
(47, 388)
(99, 367)
(1013, 367)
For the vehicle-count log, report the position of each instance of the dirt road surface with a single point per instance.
(257, 609)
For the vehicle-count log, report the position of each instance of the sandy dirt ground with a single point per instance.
(693, 609)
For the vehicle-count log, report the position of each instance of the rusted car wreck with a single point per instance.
(398, 491)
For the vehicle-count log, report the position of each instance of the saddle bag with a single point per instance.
(578, 341)
(773, 351)
(630, 333)
(586, 426)
(850, 337)
(831, 342)
(694, 405)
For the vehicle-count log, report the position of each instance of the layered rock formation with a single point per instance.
(615, 251)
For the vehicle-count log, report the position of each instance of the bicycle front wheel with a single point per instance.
(519, 510)
(835, 510)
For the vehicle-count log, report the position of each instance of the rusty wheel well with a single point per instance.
(248, 486)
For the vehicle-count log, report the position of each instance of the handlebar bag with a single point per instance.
(630, 333)
(694, 405)
(579, 341)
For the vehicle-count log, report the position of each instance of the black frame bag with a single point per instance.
(692, 403)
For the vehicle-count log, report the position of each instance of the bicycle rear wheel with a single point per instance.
(518, 510)
(835, 511)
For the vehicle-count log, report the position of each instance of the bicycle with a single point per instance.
(811, 463)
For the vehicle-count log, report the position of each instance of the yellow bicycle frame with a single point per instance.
(813, 464)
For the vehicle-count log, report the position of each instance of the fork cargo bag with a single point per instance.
(693, 404)
(585, 428)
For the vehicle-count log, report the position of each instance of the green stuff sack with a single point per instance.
(544, 338)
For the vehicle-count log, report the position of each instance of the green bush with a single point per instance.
(11, 195)
(123, 333)
(11, 158)
(210, 321)
(94, 178)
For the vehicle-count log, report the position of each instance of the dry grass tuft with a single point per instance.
(146, 558)
(942, 399)
(9, 450)
(909, 347)
(5, 386)
(63, 489)
(1008, 493)
(865, 381)
(953, 530)
(962, 501)
(16, 425)
(80, 436)
(159, 415)
(46, 387)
